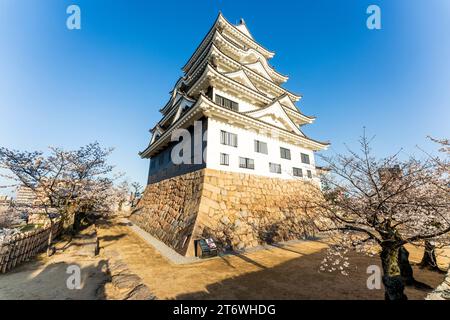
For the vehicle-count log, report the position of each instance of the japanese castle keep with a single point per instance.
(245, 157)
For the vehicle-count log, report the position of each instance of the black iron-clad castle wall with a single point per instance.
(162, 167)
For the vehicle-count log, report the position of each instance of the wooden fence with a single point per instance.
(23, 246)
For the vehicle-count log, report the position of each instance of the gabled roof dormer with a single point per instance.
(156, 133)
(293, 112)
(241, 77)
(260, 69)
(175, 112)
(274, 114)
(287, 102)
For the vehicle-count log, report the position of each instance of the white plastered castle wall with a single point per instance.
(245, 148)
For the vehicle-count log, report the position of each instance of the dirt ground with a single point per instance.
(45, 278)
(288, 272)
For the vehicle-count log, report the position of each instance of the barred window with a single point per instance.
(297, 172)
(246, 163)
(227, 103)
(261, 147)
(305, 158)
(309, 174)
(285, 153)
(227, 138)
(275, 168)
(224, 159)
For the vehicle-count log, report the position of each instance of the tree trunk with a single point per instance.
(392, 278)
(50, 239)
(78, 221)
(68, 219)
(406, 270)
(429, 260)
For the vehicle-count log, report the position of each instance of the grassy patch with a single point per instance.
(30, 227)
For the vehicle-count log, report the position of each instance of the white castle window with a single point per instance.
(228, 139)
(305, 158)
(227, 103)
(297, 172)
(285, 153)
(260, 147)
(246, 163)
(275, 167)
(309, 174)
(224, 159)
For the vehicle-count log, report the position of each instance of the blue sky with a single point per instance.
(107, 81)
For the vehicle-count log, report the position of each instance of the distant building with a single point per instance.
(25, 196)
(6, 214)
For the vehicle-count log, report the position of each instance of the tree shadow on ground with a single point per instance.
(299, 278)
(111, 238)
(286, 248)
(37, 281)
(249, 260)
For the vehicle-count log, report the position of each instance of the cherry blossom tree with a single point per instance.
(136, 194)
(379, 205)
(442, 162)
(429, 259)
(67, 184)
(122, 196)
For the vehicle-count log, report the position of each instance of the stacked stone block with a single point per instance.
(238, 211)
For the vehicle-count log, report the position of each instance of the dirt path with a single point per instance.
(45, 278)
(290, 272)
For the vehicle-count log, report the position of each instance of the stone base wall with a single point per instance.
(238, 211)
(169, 208)
(241, 210)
